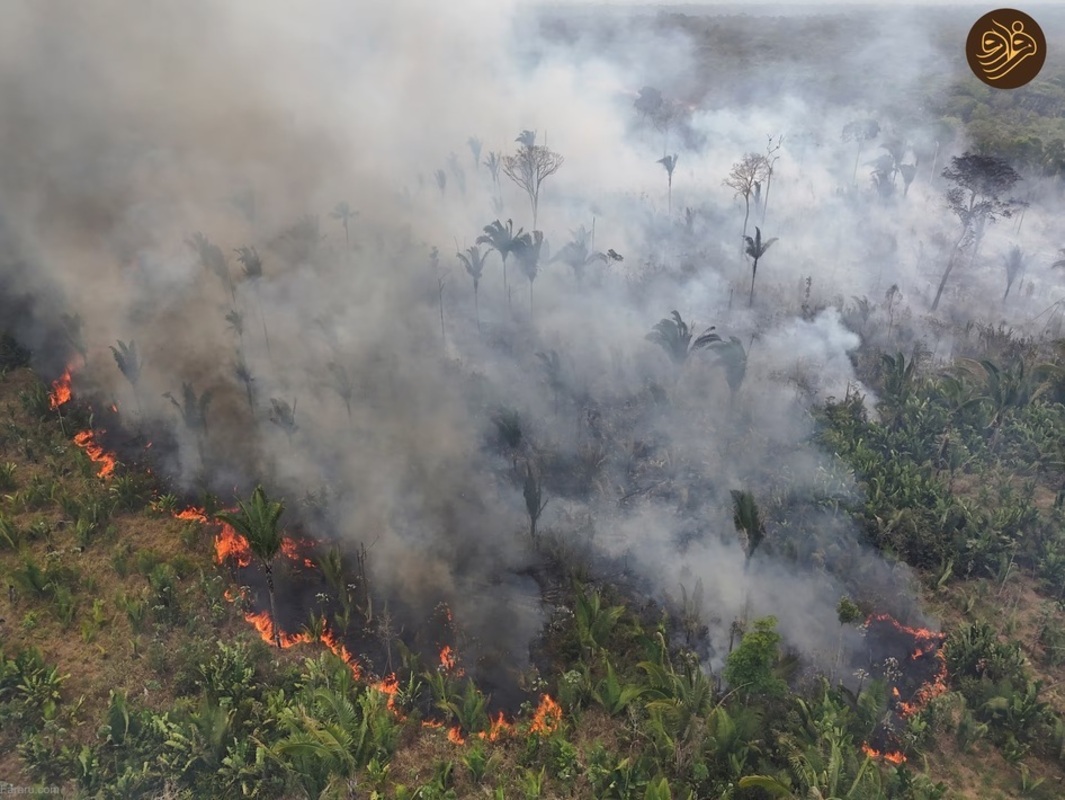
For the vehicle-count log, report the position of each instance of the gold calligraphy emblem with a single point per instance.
(1002, 49)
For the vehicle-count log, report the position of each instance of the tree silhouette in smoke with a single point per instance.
(501, 238)
(283, 416)
(213, 259)
(976, 198)
(670, 163)
(756, 248)
(860, 131)
(475, 146)
(129, 364)
(473, 260)
(527, 249)
(675, 337)
(193, 411)
(253, 271)
(1014, 263)
(746, 174)
(577, 254)
(343, 213)
(530, 167)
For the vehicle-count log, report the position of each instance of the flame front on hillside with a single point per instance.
(86, 440)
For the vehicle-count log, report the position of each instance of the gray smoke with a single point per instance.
(126, 130)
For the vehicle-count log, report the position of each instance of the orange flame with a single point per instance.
(390, 687)
(548, 716)
(86, 440)
(454, 735)
(60, 393)
(447, 658)
(891, 757)
(194, 514)
(330, 640)
(267, 629)
(229, 544)
(497, 728)
(290, 548)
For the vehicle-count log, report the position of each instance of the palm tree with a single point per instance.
(257, 522)
(533, 492)
(193, 411)
(72, 332)
(475, 145)
(670, 163)
(236, 324)
(553, 369)
(675, 337)
(494, 162)
(577, 254)
(243, 374)
(756, 248)
(860, 131)
(342, 384)
(733, 357)
(1014, 262)
(527, 249)
(748, 521)
(501, 238)
(284, 416)
(473, 261)
(253, 271)
(130, 365)
(212, 258)
(344, 214)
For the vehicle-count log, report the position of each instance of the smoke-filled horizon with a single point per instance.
(358, 360)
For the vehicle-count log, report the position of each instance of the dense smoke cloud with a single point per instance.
(126, 131)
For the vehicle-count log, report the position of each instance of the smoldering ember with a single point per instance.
(521, 400)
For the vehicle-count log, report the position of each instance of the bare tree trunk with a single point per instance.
(746, 216)
(950, 266)
(273, 607)
(765, 202)
(754, 272)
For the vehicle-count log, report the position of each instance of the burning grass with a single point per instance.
(915, 670)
